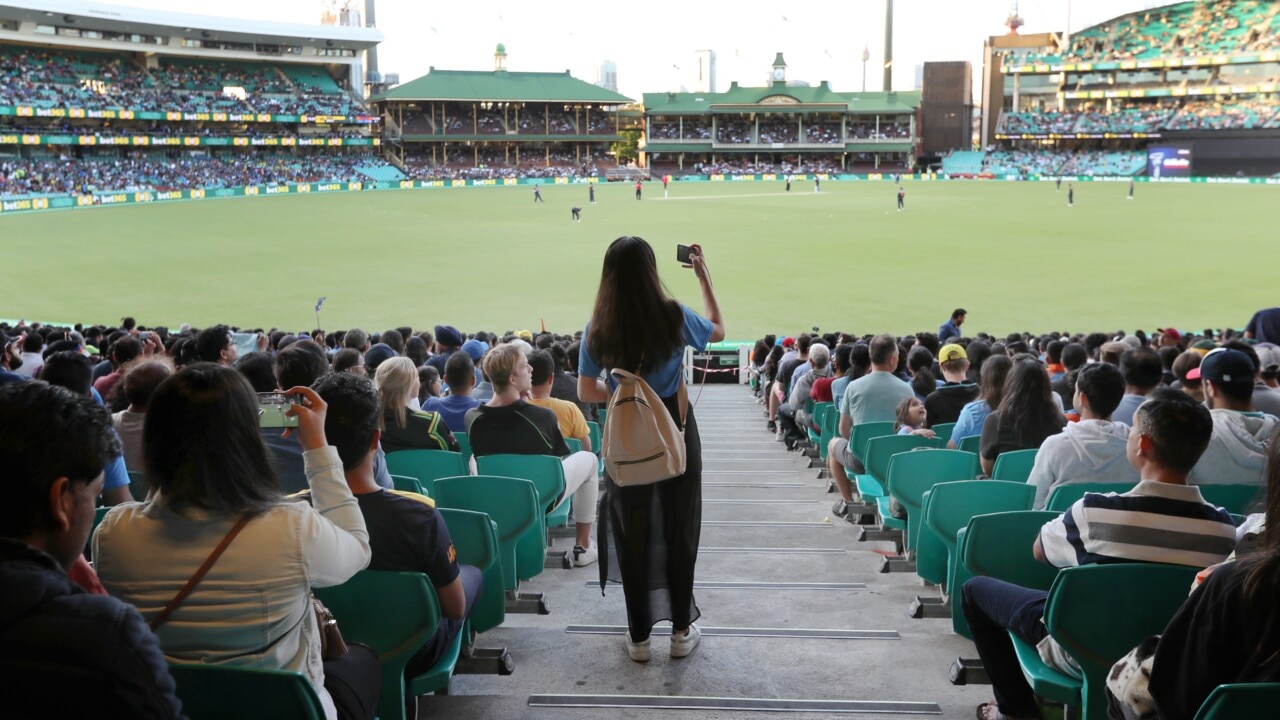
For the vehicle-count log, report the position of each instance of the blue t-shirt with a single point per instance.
(665, 380)
(452, 409)
(970, 421)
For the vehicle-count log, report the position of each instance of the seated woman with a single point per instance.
(212, 481)
(1228, 631)
(404, 428)
(1025, 416)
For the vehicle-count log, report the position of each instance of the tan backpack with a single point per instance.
(641, 443)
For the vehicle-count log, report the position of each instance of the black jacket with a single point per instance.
(67, 653)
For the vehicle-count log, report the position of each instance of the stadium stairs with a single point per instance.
(794, 632)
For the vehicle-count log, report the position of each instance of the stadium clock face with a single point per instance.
(779, 73)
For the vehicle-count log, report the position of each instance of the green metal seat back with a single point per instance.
(969, 443)
(999, 545)
(544, 471)
(1242, 700)
(1238, 499)
(575, 445)
(943, 430)
(464, 445)
(475, 538)
(404, 483)
(1064, 496)
(596, 435)
(392, 613)
(217, 692)
(953, 504)
(1098, 613)
(881, 450)
(830, 424)
(426, 465)
(862, 433)
(910, 474)
(1014, 465)
(512, 503)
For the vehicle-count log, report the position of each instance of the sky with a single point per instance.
(653, 43)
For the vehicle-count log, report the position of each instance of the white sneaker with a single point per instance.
(583, 557)
(639, 652)
(682, 645)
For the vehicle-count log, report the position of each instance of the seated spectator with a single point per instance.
(123, 351)
(259, 368)
(793, 417)
(349, 360)
(460, 373)
(995, 370)
(96, 649)
(509, 425)
(448, 342)
(71, 370)
(912, 418)
(1237, 450)
(948, 400)
(1224, 632)
(1074, 357)
(1142, 371)
(1165, 520)
(429, 386)
(823, 389)
(1265, 400)
(212, 480)
(216, 345)
(32, 355)
(1025, 417)
(402, 427)
(140, 381)
(406, 533)
(1187, 361)
(10, 359)
(1093, 449)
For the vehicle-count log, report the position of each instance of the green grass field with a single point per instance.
(1013, 254)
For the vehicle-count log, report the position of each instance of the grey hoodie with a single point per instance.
(1088, 451)
(1237, 451)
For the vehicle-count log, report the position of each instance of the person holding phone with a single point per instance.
(655, 528)
(212, 478)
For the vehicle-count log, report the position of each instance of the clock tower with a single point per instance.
(779, 75)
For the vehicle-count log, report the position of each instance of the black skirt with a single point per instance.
(648, 537)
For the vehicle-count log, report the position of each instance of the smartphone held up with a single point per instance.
(272, 409)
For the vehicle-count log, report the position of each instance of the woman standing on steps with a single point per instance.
(655, 528)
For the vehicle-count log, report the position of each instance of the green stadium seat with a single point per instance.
(1238, 499)
(911, 474)
(950, 507)
(511, 503)
(880, 450)
(545, 471)
(426, 465)
(943, 430)
(404, 483)
(1064, 496)
(396, 626)
(1014, 465)
(999, 545)
(464, 446)
(475, 538)
(1243, 700)
(969, 443)
(217, 692)
(862, 433)
(1098, 613)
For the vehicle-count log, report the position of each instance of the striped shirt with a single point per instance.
(1154, 522)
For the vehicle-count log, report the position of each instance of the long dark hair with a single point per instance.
(991, 383)
(202, 445)
(1027, 405)
(1262, 568)
(635, 323)
(771, 362)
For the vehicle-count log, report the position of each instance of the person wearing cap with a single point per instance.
(448, 342)
(1265, 400)
(1142, 371)
(377, 355)
(1092, 449)
(10, 359)
(951, 328)
(1237, 451)
(1268, 366)
(1169, 337)
(944, 404)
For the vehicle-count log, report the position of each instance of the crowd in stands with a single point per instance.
(531, 121)
(822, 131)
(1226, 114)
(1170, 420)
(733, 131)
(98, 81)
(176, 128)
(779, 130)
(799, 165)
(139, 171)
(1183, 29)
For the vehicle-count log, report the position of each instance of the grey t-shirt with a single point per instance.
(874, 397)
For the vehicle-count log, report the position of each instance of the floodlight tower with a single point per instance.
(888, 45)
(866, 55)
(1014, 21)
